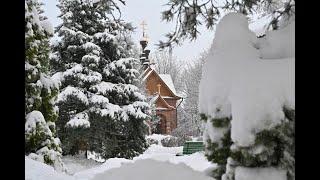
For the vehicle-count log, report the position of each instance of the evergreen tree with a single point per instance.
(154, 120)
(100, 107)
(41, 142)
(217, 148)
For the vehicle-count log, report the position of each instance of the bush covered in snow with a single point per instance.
(181, 136)
(156, 138)
(40, 141)
(247, 100)
(151, 141)
(170, 141)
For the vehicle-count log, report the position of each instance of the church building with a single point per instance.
(161, 89)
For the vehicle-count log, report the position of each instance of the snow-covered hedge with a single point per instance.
(171, 141)
(174, 140)
(155, 138)
(182, 137)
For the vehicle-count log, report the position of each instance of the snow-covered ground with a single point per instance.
(76, 164)
(151, 169)
(157, 163)
(35, 170)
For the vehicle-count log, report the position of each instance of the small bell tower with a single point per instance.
(144, 57)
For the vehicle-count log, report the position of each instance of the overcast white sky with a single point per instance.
(135, 12)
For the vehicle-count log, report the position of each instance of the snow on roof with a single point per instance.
(144, 71)
(168, 80)
(167, 97)
(155, 98)
(141, 75)
(161, 108)
(147, 75)
(165, 77)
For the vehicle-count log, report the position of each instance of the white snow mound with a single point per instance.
(151, 169)
(238, 80)
(35, 170)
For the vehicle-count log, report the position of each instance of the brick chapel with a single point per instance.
(161, 89)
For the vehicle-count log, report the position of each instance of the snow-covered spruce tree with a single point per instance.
(41, 91)
(101, 109)
(154, 120)
(247, 99)
(217, 140)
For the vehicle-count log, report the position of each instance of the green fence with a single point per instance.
(190, 147)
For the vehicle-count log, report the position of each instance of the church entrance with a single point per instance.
(162, 126)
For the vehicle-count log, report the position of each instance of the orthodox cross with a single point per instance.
(144, 24)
